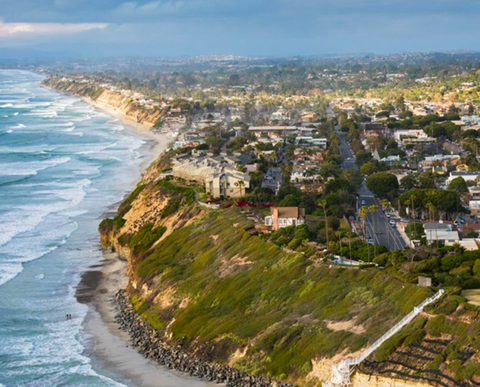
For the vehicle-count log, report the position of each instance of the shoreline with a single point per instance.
(159, 141)
(106, 344)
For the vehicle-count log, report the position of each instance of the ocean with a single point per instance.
(62, 164)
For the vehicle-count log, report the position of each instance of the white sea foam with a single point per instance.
(9, 271)
(41, 148)
(7, 105)
(30, 168)
(39, 215)
(19, 126)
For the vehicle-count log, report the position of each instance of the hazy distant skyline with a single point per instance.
(247, 27)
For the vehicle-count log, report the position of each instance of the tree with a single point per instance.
(373, 209)
(338, 234)
(369, 168)
(382, 184)
(240, 184)
(363, 212)
(409, 182)
(426, 181)
(323, 204)
(459, 185)
(354, 177)
(414, 230)
(386, 208)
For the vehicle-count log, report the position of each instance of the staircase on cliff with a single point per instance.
(342, 371)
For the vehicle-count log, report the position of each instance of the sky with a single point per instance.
(238, 27)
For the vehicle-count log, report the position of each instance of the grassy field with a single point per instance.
(472, 295)
(220, 289)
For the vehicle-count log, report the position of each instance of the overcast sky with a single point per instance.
(239, 27)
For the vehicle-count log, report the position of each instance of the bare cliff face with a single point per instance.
(111, 101)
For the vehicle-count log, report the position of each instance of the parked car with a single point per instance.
(363, 202)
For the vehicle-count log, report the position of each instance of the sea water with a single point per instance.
(62, 164)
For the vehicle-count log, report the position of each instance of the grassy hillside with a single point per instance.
(215, 289)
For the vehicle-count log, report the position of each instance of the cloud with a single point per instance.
(259, 27)
(22, 30)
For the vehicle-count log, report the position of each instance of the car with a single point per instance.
(392, 223)
(363, 202)
(371, 241)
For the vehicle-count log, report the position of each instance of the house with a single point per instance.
(285, 216)
(311, 141)
(441, 225)
(412, 137)
(227, 183)
(220, 178)
(475, 192)
(260, 131)
(467, 243)
(474, 206)
(465, 175)
(447, 237)
(374, 130)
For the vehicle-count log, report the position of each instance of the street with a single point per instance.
(377, 224)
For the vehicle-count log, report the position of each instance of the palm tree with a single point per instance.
(240, 184)
(323, 203)
(363, 212)
(412, 197)
(338, 234)
(431, 210)
(386, 207)
(374, 208)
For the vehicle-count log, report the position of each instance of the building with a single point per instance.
(374, 130)
(474, 206)
(270, 131)
(285, 216)
(469, 244)
(227, 183)
(465, 175)
(424, 282)
(220, 178)
(447, 237)
(311, 141)
(412, 137)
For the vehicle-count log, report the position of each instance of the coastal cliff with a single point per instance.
(109, 100)
(207, 283)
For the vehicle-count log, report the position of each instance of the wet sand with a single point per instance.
(107, 345)
(159, 141)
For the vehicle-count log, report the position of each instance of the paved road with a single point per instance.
(377, 225)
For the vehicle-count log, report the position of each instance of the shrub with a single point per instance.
(145, 238)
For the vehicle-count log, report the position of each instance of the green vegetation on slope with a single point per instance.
(228, 289)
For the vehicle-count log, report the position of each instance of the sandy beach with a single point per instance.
(158, 140)
(108, 346)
